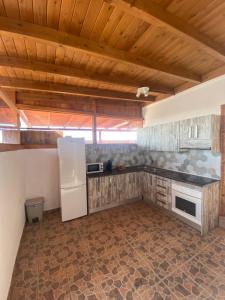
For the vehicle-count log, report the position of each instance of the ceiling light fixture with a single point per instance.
(142, 90)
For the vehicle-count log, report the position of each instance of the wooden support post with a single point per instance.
(11, 136)
(94, 131)
(100, 136)
(17, 137)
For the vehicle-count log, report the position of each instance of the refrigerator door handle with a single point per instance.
(72, 187)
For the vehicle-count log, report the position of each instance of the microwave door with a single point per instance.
(93, 168)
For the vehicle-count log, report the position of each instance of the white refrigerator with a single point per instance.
(72, 168)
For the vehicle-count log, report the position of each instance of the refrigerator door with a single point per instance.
(73, 203)
(72, 162)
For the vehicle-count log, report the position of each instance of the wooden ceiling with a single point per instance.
(106, 49)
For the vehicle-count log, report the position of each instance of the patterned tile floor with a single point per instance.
(129, 252)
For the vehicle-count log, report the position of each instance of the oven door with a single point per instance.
(187, 206)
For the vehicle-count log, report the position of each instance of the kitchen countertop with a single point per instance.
(177, 176)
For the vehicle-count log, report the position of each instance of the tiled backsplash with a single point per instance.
(197, 162)
(120, 154)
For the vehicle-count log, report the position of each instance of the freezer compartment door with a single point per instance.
(73, 203)
(72, 162)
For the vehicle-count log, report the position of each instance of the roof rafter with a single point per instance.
(9, 98)
(154, 14)
(70, 89)
(33, 65)
(63, 39)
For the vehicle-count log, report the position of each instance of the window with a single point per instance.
(86, 134)
(108, 137)
(117, 130)
(57, 121)
(108, 129)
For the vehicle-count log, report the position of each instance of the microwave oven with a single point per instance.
(94, 168)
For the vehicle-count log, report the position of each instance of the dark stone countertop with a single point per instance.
(177, 176)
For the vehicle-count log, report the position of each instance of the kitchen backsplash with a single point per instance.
(120, 154)
(197, 162)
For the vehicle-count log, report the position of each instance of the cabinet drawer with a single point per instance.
(161, 197)
(162, 190)
(162, 182)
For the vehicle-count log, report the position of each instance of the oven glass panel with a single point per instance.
(186, 206)
(93, 168)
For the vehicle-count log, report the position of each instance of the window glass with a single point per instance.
(86, 134)
(117, 136)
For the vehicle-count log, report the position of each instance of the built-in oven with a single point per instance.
(186, 201)
(94, 168)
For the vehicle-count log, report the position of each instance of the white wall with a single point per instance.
(42, 176)
(23, 174)
(200, 100)
(12, 217)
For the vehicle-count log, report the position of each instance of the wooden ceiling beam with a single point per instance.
(154, 14)
(10, 101)
(34, 65)
(9, 97)
(34, 107)
(62, 39)
(70, 89)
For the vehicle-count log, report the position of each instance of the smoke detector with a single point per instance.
(142, 91)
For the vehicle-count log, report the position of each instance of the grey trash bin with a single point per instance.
(34, 209)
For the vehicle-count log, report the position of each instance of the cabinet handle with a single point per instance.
(160, 186)
(189, 132)
(163, 202)
(161, 194)
(196, 131)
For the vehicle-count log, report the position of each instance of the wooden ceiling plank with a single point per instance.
(40, 12)
(66, 13)
(70, 89)
(102, 19)
(53, 12)
(91, 17)
(79, 13)
(12, 9)
(26, 10)
(154, 14)
(62, 39)
(34, 65)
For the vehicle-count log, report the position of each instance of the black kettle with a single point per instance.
(109, 165)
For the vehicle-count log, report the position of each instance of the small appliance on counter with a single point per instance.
(108, 166)
(94, 168)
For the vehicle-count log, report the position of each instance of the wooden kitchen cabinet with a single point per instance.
(200, 133)
(149, 187)
(163, 137)
(169, 137)
(163, 192)
(109, 191)
(194, 133)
